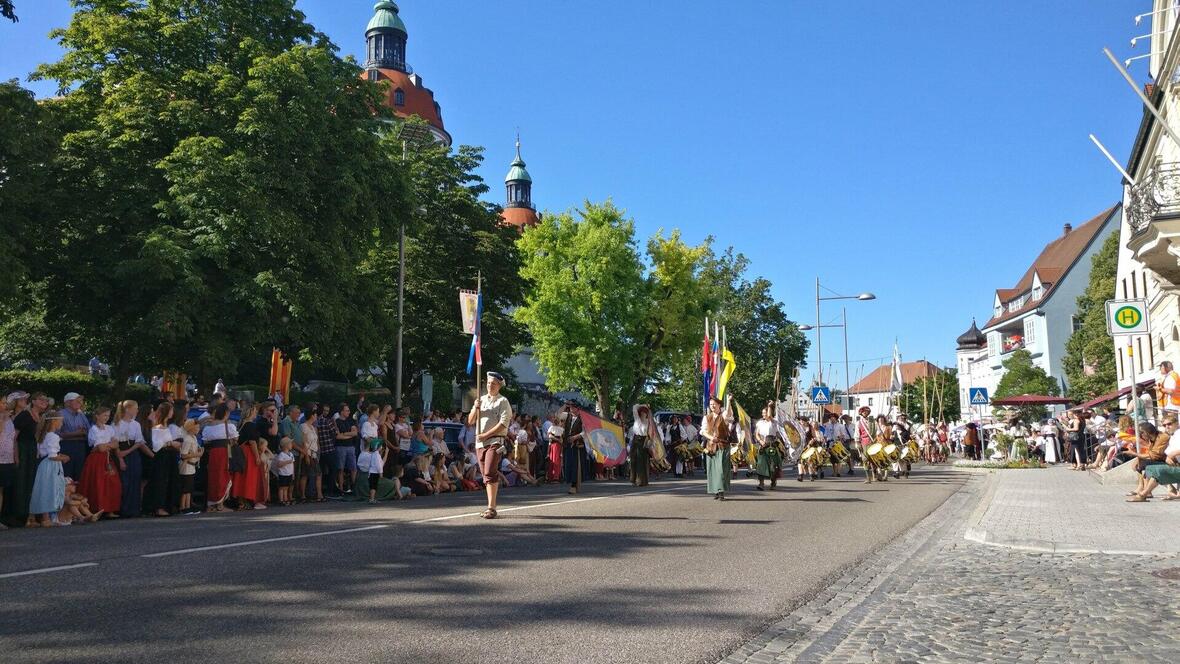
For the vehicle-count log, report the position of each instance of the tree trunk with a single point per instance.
(119, 375)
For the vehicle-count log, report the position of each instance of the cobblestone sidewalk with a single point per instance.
(933, 596)
(1059, 510)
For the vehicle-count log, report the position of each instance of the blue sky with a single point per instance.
(922, 150)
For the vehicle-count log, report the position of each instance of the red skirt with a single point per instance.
(553, 472)
(100, 482)
(218, 474)
(247, 484)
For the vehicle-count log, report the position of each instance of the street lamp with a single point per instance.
(819, 353)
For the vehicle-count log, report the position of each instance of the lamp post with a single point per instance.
(819, 356)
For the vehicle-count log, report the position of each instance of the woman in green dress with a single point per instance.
(769, 461)
(716, 430)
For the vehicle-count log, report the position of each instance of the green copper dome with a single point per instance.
(518, 173)
(385, 18)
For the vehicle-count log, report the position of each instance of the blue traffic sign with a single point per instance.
(978, 396)
(821, 396)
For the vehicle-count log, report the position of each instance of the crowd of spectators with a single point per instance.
(74, 465)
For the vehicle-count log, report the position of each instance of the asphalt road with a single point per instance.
(616, 574)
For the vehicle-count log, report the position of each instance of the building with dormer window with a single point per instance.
(1038, 314)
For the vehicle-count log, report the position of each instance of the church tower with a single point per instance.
(519, 210)
(385, 60)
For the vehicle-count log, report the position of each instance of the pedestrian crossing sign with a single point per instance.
(821, 396)
(978, 396)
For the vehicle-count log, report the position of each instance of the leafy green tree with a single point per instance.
(1089, 354)
(601, 320)
(452, 237)
(758, 333)
(1021, 376)
(8, 11)
(28, 140)
(227, 181)
(933, 397)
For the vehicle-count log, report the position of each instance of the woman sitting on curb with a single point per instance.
(1155, 472)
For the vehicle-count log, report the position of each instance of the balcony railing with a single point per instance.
(1156, 195)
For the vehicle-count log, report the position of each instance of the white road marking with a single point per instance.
(46, 570)
(552, 504)
(268, 540)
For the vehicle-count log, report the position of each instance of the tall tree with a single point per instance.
(758, 332)
(451, 238)
(601, 320)
(1089, 354)
(227, 180)
(8, 11)
(28, 141)
(1021, 376)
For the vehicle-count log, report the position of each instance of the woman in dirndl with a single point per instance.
(100, 476)
(163, 494)
(49, 484)
(643, 430)
(769, 461)
(553, 468)
(218, 432)
(247, 484)
(716, 431)
(133, 449)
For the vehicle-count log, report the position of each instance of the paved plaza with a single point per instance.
(935, 596)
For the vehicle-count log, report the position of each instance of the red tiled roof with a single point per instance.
(419, 100)
(520, 217)
(1055, 261)
(879, 380)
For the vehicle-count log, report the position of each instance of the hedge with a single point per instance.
(57, 382)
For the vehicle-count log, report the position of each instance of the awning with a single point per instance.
(1032, 400)
(1117, 394)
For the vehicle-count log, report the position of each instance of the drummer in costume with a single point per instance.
(866, 438)
(769, 460)
(885, 439)
(847, 434)
(837, 440)
(717, 430)
(643, 431)
(903, 437)
(815, 453)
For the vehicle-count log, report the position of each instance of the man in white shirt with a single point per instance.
(491, 415)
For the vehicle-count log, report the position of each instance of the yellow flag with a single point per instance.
(727, 358)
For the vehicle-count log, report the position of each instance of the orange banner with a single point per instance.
(280, 376)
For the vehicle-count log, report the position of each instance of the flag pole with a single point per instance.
(478, 332)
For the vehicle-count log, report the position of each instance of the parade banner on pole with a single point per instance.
(475, 357)
(604, 440)
(706, 370)
(175, 384)
(280, 376)
(469, 307)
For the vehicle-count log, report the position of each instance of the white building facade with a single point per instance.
(1149, 253)
(974, 371)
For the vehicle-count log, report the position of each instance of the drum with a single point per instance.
(876, 453)
(816, 456)
(912, 451)
(839, 452)
(893, 452)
